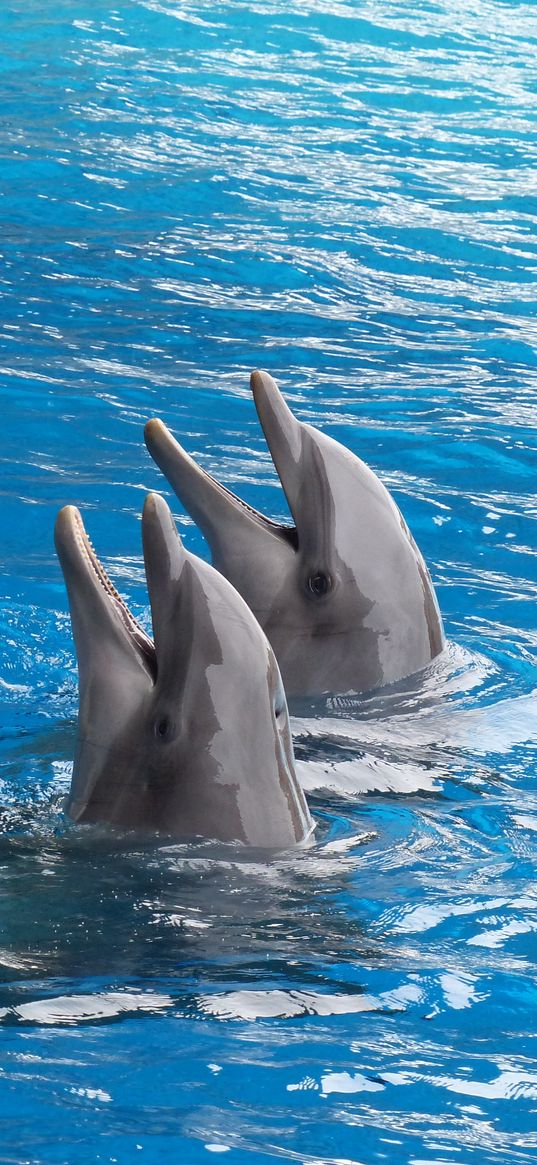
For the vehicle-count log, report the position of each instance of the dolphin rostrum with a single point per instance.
(187, 734)
(343, 595)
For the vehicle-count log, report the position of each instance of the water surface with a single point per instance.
(344, 194)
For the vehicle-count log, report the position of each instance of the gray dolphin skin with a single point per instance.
(343, 595)
(189, 734)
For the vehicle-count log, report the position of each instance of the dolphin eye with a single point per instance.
(163, 728)
(319, 584)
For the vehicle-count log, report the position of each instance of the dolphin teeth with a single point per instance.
(132, 625)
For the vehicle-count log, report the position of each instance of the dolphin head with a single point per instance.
(187, 733)
(343, 594)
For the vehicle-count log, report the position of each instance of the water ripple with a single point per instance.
(345, 195)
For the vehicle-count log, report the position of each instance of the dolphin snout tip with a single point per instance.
(68, 520)
(67, 513)
(149, 504)
(260, 380)
(155, 506)
(152, 428)
(157, 521)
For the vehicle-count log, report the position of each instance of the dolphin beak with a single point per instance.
(116, 659)
(283, 434)
(164, 559)
(219, 513)
(97, 610)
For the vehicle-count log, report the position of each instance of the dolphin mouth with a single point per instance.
(78, 554)
(283, 529)
(204, 497)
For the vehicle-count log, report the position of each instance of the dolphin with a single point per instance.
(187, 734)
(343, 594)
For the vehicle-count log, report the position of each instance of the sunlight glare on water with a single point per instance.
(342, 193)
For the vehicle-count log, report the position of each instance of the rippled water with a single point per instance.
(344, 194)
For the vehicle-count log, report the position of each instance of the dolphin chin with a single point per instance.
(186, 733)
(343, 593)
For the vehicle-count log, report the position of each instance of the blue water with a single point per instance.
(343, 193)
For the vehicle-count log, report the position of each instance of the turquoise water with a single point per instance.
(344, 194)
